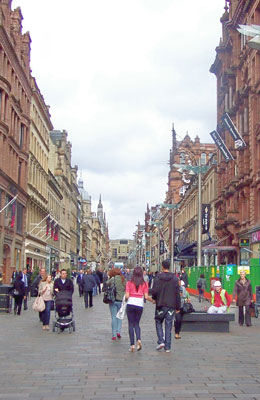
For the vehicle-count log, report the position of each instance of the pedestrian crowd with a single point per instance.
(127, 292)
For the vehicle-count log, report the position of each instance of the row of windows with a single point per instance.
(17, 89)
(38, 152)
(40, 124)
(38, 179)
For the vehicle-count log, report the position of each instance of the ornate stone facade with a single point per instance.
(15, 100)
(237, 68)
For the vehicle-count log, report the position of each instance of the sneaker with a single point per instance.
(114, 338)
(118, 335)
(167, 351)
(160, 346)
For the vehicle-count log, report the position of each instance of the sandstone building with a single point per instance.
(237, 69)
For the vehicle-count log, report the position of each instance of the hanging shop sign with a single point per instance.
(244, 242)
(243, 268)
(255, 237)
(205, 218)
(221, 145)
(162, 247)
(240, 144)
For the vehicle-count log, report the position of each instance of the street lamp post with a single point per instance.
(172, 207)
(198, 169)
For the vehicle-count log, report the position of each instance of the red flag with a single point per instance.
(56, 233)
(13, 214)
(52, 228)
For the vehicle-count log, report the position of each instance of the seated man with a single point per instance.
(220, 300)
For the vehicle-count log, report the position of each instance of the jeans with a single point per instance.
(94, 290)
(164, 314)
(116, 322)
(46, 314)
(201, 294)
(242, 318)
(134, 314)
(86, 296)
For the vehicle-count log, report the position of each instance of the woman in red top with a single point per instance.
(136, 291)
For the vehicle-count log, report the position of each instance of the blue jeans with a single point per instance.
(46, 314)
(116, 322)
(164, 314)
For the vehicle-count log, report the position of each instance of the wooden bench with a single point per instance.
(200, 321)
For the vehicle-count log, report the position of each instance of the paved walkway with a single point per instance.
(42, 365)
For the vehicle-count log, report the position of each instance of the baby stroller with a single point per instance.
(64, 318)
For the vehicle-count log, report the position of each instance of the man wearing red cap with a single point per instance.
(220, 300)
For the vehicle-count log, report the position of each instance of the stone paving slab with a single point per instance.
(42, 365)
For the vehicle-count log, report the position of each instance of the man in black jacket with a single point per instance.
(166, 294)
(63, 283)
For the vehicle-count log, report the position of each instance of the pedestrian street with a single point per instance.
(87, 364)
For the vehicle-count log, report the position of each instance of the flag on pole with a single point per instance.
(52, 228)
(56, 233)
(13, 211)
(48, 220)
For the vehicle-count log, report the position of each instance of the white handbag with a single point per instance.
(121, 313)
(38, 304)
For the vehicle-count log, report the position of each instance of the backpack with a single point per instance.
(110, 293)
(199, 284)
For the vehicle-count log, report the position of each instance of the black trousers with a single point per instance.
(244, 317)
(18, 301)
(25, 299)
(80, 290)
(89, 295)
(178, 322)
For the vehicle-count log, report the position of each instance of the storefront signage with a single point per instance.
(205, 217)
(244, 242)
(162, 247)
(243, 268)
(255, 237)
(221, 145)
(229, 125)
(230, 270)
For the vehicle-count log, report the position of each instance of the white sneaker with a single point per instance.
(160, 346)
(167, 351)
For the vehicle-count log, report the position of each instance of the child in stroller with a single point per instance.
(64, 317)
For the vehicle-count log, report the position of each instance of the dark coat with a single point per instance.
(100, 275)
(35, 285)
(88, 283)
(67, 285)
(184, 277)
(166, 291)
(243, 292)
(19, 286)
(80, 279)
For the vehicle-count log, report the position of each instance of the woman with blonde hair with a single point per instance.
(46, 291)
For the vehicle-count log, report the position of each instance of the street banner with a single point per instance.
(240, 144)
(205, 218)
(161, 247)
(221, 145)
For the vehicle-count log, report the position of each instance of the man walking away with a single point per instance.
(166, 294)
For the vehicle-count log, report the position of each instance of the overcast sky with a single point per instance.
(117, 74)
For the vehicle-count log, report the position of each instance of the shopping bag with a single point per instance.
(121, 313)
(38, 304)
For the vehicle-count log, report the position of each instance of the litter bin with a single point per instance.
(5, 298)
